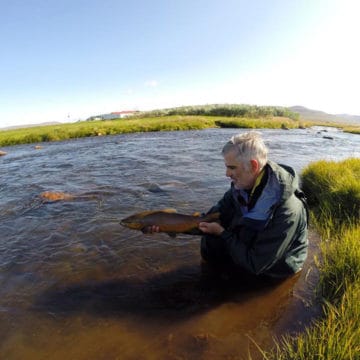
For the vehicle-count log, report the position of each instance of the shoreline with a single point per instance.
(48, 133)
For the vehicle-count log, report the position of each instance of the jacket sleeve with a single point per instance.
(226, 209)
(256, 249)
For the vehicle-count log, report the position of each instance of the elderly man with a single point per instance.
(263, 216)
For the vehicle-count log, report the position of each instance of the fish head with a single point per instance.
(132, 222)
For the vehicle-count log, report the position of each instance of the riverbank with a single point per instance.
(131, 125)
(333, 190)
(82, 129)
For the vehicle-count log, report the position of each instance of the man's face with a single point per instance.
(241, 177)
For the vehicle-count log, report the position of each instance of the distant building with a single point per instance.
(114, 115)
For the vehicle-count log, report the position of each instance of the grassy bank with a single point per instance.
(100, 128)
(333, 189)
(180, 118)
(122, 126)
(352, 129)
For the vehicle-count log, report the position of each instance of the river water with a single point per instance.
(75, 284)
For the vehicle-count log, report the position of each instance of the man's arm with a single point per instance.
(258, 251)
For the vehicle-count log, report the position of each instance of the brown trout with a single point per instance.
(52, 196)
(168, 221)
(56, 196)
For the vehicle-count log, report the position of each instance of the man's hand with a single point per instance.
(211, 228)
(150, 229)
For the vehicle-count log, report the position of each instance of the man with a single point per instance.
(263, 216)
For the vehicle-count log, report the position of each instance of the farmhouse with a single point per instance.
(113, 115)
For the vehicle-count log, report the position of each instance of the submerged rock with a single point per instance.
(2, 153)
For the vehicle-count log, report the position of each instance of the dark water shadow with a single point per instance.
(175, 295)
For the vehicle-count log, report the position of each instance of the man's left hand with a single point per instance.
(211, 228)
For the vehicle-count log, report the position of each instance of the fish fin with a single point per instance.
(172, 234)
(149, 212)
(145, 230)
(170, 211)
(196, 213)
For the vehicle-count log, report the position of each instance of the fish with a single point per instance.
(52, 196)
(169, 221)
(56, 196)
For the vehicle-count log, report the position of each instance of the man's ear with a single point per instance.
(255, 167)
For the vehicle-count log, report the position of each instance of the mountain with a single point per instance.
(309, 114)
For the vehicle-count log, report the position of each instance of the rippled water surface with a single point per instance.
(74, 284)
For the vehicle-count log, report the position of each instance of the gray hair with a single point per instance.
(247, 146)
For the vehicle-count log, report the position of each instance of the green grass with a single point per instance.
(181, 118)
(111, 127)
(352, 129)
(341, 264)
(334, 192)
(266, 123)
(336, 337)
(100, 128)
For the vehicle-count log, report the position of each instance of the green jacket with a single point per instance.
(271, 238)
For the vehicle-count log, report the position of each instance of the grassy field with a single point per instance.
(81, 129)
(163, 123)
(333, 189)
(180, 118)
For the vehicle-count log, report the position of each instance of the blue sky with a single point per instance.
(66, 60)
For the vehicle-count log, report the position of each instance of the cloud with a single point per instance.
(151, 83)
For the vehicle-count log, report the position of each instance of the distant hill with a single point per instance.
(30, 125)
(309, 114)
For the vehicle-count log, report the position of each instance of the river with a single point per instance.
(75, 284)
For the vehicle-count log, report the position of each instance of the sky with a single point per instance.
(67, 60)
